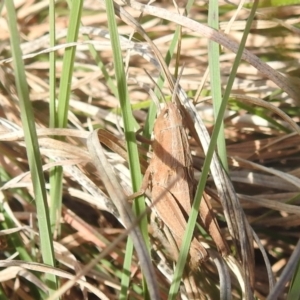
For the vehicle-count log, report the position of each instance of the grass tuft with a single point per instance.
(70, 67)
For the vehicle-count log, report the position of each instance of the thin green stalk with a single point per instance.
(54, 195)
(32, 146)
(215, 78)
(52, 63)
(61, 118)
(133, 155)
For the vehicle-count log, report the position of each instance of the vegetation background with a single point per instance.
(70, 67)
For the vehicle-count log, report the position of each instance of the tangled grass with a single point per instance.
(68, 68)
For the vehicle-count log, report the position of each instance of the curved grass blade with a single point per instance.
(118, 197)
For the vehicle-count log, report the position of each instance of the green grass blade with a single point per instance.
(96, 56)
(63, 106)
(52, 63)
(32, 146)
(68, 64)
(215, 78)
(275, 3)
(54, 194)
(294, 292)
(132, 150)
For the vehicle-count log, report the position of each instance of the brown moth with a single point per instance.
(170, 177)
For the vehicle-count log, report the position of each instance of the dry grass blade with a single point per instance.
(283, 175)
(61, 152)
(271, 107)
(118, 197)
(238, 227)
(47, 269)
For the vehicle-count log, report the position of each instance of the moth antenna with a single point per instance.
(174, 94)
